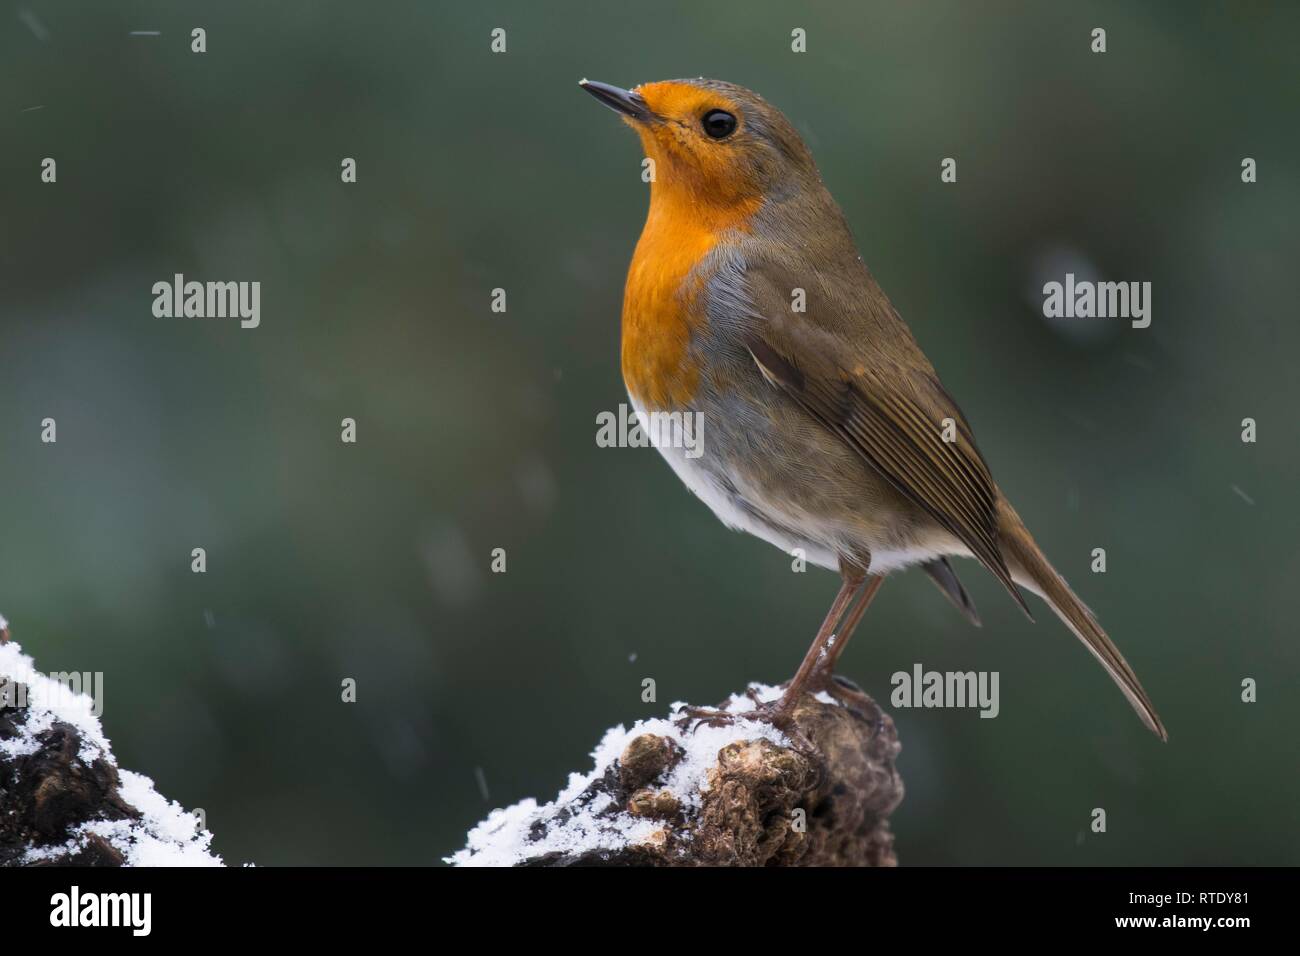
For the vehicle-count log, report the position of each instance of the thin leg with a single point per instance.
(821, 645)
(827, 664)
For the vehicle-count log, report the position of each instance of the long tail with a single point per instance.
(1030, 569)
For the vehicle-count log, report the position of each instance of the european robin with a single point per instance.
(827, 429)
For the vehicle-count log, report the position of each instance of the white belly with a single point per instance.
(742, 507)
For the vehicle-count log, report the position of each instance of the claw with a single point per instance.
(702, 715)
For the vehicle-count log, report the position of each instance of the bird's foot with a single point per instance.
(779, 713)
(691, 718)
(833, 684)
(848, 694)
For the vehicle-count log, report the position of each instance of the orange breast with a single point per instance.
(662, 306)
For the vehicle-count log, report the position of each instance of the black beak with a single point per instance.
(622, 101)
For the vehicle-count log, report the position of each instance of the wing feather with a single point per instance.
(899, 437)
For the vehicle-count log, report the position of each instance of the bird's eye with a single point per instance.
(719, 124)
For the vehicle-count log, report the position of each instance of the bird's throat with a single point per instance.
(663, 305)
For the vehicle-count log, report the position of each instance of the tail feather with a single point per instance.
(942, 574)
(1030, 569)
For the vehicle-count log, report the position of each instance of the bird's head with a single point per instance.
(713, 143)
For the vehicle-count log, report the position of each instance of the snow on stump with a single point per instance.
(63, 799)
(741, 794)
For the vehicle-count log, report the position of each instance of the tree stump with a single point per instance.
(741, 794)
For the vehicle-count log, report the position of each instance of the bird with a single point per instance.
(827, 431)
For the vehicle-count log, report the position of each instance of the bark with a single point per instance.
(46, 794)
(63, 800)
(764, 804)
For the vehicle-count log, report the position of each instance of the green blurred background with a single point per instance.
(477, 430)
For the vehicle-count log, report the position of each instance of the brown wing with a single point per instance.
(892, 414)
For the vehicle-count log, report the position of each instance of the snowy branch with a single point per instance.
(740, 794)
(63, 799)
